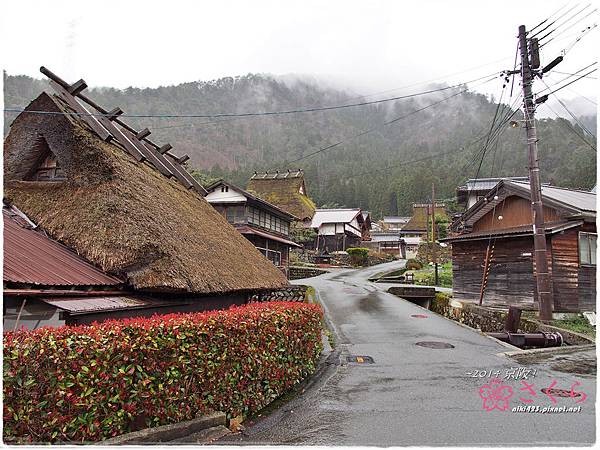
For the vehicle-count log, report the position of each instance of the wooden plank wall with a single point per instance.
(511, 274)
(511, 279)
(515, 211)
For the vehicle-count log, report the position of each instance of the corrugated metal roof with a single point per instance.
(79, 305)
(33, 258)
(583, 200)
(485, 184)
(333, 216)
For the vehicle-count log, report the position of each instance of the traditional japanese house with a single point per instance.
(47, 284)
(496, 232)
(476, 188)
(339, 229)
(394, 223)
(263, 224)
(419, 225)
(126, 204)
(388, 242)
(286, 190)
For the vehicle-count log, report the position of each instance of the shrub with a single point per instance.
(358, 255)
(86, 383)
(413, 264)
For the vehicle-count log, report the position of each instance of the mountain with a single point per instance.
(382, 171)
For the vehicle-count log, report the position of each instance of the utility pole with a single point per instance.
(542, 277)
(433, 249)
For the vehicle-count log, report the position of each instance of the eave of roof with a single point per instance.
(524, 230)
(245, 229)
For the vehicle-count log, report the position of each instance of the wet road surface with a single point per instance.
(415, 395)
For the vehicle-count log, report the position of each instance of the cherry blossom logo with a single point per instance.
(495, 395)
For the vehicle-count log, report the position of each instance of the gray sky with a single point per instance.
(367, 46)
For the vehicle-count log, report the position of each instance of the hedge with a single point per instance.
(87, 383)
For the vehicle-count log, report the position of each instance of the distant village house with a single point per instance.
(262, 223)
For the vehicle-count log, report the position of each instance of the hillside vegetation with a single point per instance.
(376, 172)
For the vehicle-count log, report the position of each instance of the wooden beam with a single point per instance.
(77, 87)
(83, 113)
(142, 134)
(192, 181)
(165, 148)
(183, 159)
(114, 113)
(157, 160)
(129, 146)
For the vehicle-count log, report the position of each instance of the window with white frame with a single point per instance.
(587, 248)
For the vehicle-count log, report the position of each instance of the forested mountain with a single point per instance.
(383, 171)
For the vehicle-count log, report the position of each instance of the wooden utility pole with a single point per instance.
(433, 249)
(542, 277)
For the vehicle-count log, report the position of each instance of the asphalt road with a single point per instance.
(415, 395)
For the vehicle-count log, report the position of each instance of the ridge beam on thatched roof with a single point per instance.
(134, 142)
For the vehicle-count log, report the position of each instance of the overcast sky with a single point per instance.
(363, 45)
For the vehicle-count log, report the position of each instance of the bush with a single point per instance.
(413, 264)
(358, 255)
(86, 383)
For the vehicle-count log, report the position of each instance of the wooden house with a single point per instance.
(501, 221)
(419, 225)
(476, 188)
(286, 190)
(388, 242)
(263, 224)
(339, 229)
(126, 204)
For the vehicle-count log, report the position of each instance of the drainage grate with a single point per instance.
(360, 359)
(435, 344)
(419, 316)
(560, 393)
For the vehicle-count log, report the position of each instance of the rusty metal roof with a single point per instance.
(82, 305)
(31, 257)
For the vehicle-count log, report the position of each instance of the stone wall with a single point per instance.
(287, 294)
(295, 273)
(492, 320)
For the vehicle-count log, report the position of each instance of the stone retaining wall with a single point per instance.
(490, 320)
(287, 294)
(295, 273)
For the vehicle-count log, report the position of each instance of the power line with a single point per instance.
(580, 35)
(265, 113)
(570, 128)
(555, 20)
(567, 73)
(370, 130)
(563, 23)
(571, 82)
(568, 77)
(548, 18)
(573, 25)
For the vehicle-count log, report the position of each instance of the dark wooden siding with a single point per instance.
(515, 211)
(511, 280)
(511, 274)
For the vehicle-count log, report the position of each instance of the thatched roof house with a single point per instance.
(285, 190)
(120, 213)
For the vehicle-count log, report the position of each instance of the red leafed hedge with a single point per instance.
(87, 383)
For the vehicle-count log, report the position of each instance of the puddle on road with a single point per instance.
(579, 363)
(370, 303)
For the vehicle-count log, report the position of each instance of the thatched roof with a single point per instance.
(418, 221)
(286, 190)
(124, 215)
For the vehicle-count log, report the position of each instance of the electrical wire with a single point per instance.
(570, 128)
(571, 75)
(548, 18)
(563, 23)
(265, 113)
(580, 35)
(389, 122)
(555, 20)
(571, 82)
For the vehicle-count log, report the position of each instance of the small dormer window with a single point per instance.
(49, 170)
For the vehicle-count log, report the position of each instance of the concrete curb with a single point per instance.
(549, 350)
(166, 433)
